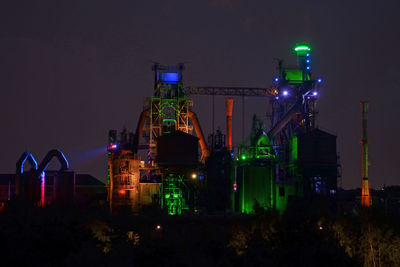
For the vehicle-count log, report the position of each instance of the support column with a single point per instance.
(366, 200)
(229, 108)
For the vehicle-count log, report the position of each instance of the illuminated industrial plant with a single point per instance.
(288, 159)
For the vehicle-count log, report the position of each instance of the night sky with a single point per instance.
(72, 70)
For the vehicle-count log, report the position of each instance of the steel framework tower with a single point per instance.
(366, 200)
(297, 96)
(168, 107)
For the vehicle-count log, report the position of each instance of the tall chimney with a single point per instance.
(366, 200)
(229, 107)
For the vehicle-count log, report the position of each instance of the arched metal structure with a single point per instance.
(50, 155)
(20, 163)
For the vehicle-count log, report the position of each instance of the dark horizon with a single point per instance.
(72, 70)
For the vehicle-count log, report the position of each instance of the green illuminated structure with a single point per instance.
(173, 201)
(255, 183)
(265, 179)
(296, 76)
(260, 150)
(293, 149)
(168, 107)
(302, 48)
(279, 165)
(284, 192)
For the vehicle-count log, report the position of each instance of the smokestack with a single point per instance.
(366, 200)
(229, 108)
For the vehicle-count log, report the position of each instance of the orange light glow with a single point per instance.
(229, 108)
(121, 191)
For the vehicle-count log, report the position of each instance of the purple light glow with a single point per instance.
(285, 93)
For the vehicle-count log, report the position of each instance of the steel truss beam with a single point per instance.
(230, 91)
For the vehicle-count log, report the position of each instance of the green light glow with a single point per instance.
(243, 157)
(282, 201)
(256, 184)
(295, 76)
(169, 120)
(173, 201)
(302, 48)
(293, 149)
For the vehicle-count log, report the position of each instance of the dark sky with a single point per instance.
(72, 70)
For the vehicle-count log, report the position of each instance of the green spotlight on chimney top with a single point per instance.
(302, 48)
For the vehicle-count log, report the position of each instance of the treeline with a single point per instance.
(308, 234)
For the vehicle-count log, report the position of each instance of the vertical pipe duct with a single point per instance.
(199, 133)
(229, 107)
(140, 127)
(365, 196)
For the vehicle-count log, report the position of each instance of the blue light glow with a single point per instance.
(308, 54)
(65, 159)
(308, 67)
(32, 161)
(319, 80)
(308, 61)
(113, 146)
(171, 77)
(315, 93)
(285, 93)
(276, 79)
(276, 97)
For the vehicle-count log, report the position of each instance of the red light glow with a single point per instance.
(121, 191)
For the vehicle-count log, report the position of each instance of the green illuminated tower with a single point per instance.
(168, 106)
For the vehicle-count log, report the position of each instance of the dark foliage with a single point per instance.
(308, 234)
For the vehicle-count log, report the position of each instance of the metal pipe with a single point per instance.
(366, 200)
(139, 128)
(229, 108)
(50, 155)
(284, 121)
(199, 132)
(20, 163)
